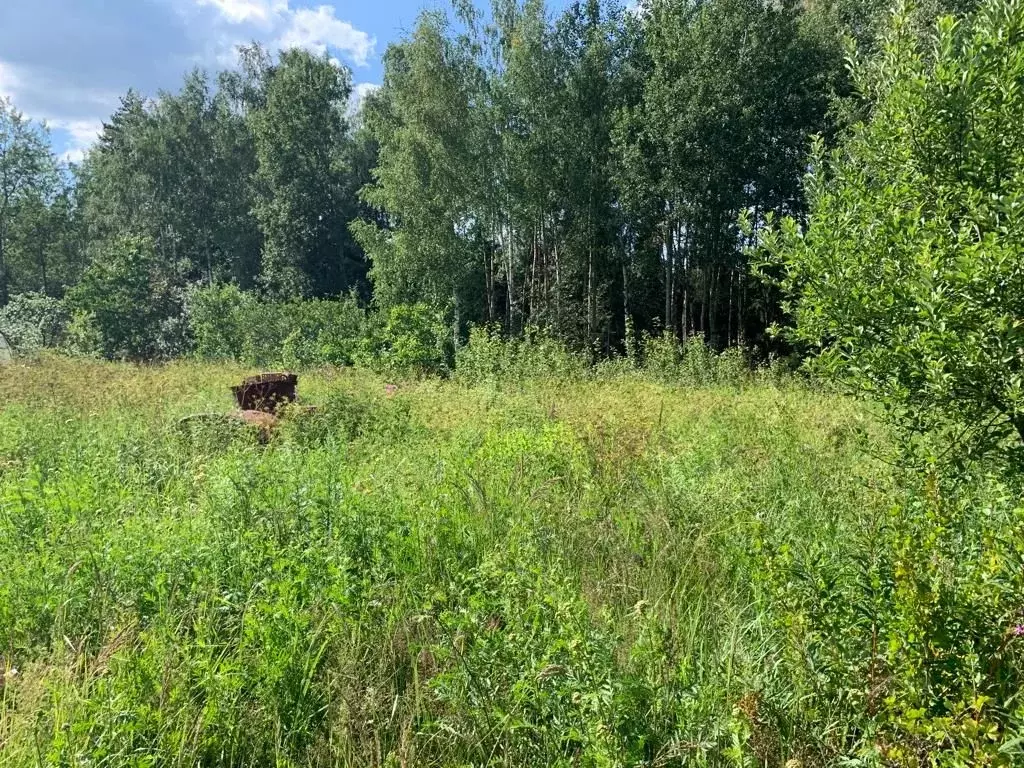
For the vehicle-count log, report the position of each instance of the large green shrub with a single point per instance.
(230, 324)
(491, 356)
(908, 277)
(692, 362)
(407, 339)
(33, 321)
(909, 633)
(217, 315)
(135, 300)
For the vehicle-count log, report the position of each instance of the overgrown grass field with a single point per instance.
(580, 572)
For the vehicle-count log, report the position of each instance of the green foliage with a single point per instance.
(571, 173)
(221, 318)
(28, 173)
(303, 204)
(212, 178)
(917, 622)
(552, 660)
(346, 416)
(230, 324)
(693, 363)
(662, 559)
(134, 300)
(44, 249)
(405, 340)
(491, 357)
(427, 169)
(83, 336)
(33, 321)
(726, 97)
(661, 355)
(577, 171)
(176, 170)
(907, 278)
(599, 573)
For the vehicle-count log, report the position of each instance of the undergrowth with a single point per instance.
(580, 571)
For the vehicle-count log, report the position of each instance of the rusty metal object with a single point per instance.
(266, 392)
(262, 401)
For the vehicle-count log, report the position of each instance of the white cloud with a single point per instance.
(316, 29)
(75, 84)
(634, 8)
(82, 135)
(362, 90)
(44, 96)
(243, 11)
(8, 80)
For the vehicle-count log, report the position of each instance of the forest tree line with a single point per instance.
(583, 172)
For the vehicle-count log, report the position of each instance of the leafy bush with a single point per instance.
(221, 318)
(409, 339)
(537, 355)
(912, 629)
(230, 324)
(484, 357)
(490, 357)
(553, 663)
(661, 355)
(908, 278)
(135, 300)
(33, 321)
(83, 337)
(347, 416)
(781, 369)
(692, 362)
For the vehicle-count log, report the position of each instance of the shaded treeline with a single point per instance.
(585, 172)
(590, 171)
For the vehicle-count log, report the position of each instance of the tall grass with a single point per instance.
(607, 572)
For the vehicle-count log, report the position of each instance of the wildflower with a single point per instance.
(1018, 631)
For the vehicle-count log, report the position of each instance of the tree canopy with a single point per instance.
(907, 278)
(583, 172)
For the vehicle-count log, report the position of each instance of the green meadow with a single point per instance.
(575, 571)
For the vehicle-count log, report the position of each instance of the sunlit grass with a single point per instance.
(587, 573)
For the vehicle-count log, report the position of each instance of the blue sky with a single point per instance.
(68, 61)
